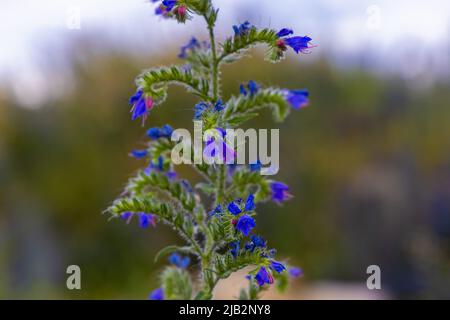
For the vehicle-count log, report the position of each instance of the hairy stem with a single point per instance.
(215, 62)
(220, 179)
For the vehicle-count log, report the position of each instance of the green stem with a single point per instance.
(215, 62)
(221, 184)
(220, 179)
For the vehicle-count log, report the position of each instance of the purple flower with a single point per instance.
(298, 99)
(277, 266)
(234, 208)
(235, 245)
(263, 276)
(141, 105)
(169, 4)
(179, 261)
(139, 154)
(245, 224)
(146, 219)
(171, 175)
(250, 203)
(216, 146)
(295, 272)
(191, 46)
(242, 29)
(280, 192)
(157, 294)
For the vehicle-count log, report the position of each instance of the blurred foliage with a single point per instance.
(368, 163)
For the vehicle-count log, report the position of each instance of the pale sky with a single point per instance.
(410, 36)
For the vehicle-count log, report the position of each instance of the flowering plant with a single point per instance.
(219, 237)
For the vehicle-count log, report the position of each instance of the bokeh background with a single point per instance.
(368, 162)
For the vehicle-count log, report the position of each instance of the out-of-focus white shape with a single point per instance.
(411, 37)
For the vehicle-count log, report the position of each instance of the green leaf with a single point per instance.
(244, 181)
(176, 284)
(226, 264)
(236, 47)
(160, 181)
(281, 281)
(240, 109)
(155, 81)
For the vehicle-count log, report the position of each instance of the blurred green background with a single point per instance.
(368, 162)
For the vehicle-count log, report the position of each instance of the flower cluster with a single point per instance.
(171, 8)
(220, 235)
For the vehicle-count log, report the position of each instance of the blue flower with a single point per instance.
(235, 246)
(126, 216)
(153, 133)
(297, 98)
(146, 219)
(242, 90)
(219, 106)
(139, 154)
(191, 46)
(250, 203)
(299, 44)
(257, 242)
(255, 166)
(169, 4)
(217, 211)
(158, 133)
(284, 32)
(295, 272)
(199, 109)
(165, 7)
(280, 192)
(272, 253)
(263, 276)
(252, 88)
(242, 29)
(157, 294)
(166, 131)
(140, 105)
(179, 261)
(245, 224)
(155, 166)
(277, 266)
(234, 208)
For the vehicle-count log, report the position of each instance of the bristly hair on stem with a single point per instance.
(220, 239)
